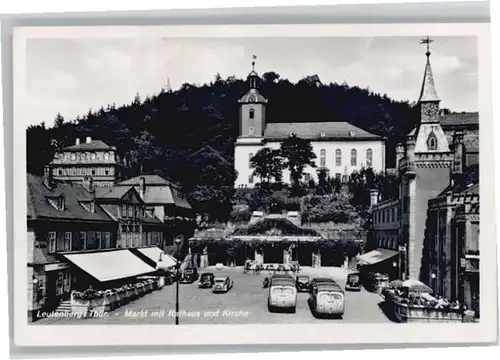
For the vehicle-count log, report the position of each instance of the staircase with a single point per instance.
(64, 307)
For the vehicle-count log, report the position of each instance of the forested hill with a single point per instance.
(188, 135)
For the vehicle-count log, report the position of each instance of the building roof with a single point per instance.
(158, 190)
(92, 145)
(339, 130)
(112, 192)
(253, 96)
(459, 119)
(428, 91)
(152, 179)
(40, 207)
(469, 182)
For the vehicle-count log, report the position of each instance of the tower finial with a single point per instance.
(427, 41)
(253, 62)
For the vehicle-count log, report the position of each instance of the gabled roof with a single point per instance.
(339, 130)
(158, 190)
(39, 206)
(92, 145)
(113, 192)
(152, 179)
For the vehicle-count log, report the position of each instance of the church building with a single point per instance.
(340, 147)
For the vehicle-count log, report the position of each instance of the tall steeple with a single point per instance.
(428, 91)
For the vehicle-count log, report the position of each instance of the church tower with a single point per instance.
(252, 108)
(252, 122)
(424, 173)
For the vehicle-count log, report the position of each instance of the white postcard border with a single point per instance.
(331, 333)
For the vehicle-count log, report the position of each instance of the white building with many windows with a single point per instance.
(340, 147)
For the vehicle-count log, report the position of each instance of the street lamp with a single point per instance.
(177, 267)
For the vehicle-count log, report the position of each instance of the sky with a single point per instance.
(71, 76)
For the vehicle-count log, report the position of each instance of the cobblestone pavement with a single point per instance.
(245, 303)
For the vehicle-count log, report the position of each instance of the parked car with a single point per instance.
(189, 275)
(206, 281)
(315, 281)
(280, 277)
(353, 282)
(302, 283)
(282, 295)
(222, 284)
(327, 299)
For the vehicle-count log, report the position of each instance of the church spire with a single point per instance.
(428, 91)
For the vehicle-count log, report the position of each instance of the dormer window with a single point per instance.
(291, 134)
(88, 205)
(352, 133)
(73, 157)
(432, 142)
(322, 134)
(57, 202)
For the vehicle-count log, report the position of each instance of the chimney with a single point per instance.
(47, 176)
(400, 154)
(88, 139)
(373, 198)
(77, 142)
(142, 186)
(88, 183)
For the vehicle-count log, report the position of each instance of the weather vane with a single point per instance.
(427, 41)
(253, 62)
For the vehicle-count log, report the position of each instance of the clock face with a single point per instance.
(429, 110)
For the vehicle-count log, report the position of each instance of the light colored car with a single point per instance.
(222, 284)
(282, 295)
(328, 299)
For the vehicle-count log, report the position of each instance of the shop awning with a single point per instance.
(376, 256)
(110, 265)
(154, 253)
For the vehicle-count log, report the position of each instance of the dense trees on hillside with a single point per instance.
(188, 135)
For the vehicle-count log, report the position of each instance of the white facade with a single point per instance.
(337, 158)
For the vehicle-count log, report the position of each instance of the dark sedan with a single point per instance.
(302, 283)
(206, 281)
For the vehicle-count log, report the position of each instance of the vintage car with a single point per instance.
(353, 282)
(282, 295)
(327, 299)
(281, 276)
(189, 276)
(222, 284)
(302, 283)
(206, 281)
(315, 281)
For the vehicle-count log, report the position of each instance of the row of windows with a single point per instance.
(64, 242)
(131, 211)
(307, 178)
(78, 156)
(386, 216)
(389, 242)
(134, 239)
(84, 171)
(338, 157)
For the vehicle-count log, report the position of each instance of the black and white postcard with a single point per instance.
(265, 184)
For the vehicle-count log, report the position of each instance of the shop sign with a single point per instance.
(54, 267)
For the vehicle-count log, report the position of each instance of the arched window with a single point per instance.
(322, 158)
(250, 156)
(432, 141)
(338, 157)
(251, 113)
(354, 155)
(369, 157)
(251, 130)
